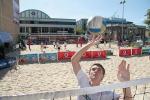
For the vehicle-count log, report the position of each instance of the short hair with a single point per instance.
(100, 66)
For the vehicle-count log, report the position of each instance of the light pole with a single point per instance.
(122, 2)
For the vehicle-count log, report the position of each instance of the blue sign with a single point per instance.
(47, 57)
(146, 50)
(28, 59)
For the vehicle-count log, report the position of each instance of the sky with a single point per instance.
(134, 10)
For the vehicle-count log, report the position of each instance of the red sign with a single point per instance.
(136, 51)
(65, 55)
(103, 54)
(124, 52)
(98, 54)
(87, 54)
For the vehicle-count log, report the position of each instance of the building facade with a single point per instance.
(9, 17)
(118, 29)
(122, 30)
(40, 26)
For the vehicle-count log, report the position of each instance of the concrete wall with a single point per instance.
(7, 23)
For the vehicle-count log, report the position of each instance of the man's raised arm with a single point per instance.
(77, 56)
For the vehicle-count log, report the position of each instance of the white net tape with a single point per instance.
(82, 91)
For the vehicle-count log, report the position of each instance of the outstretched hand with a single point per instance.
(123, 71)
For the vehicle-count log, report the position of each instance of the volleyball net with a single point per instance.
(140, 89)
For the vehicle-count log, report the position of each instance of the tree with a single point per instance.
(147, 21)
(79, 31)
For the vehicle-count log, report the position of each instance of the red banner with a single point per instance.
(124, 52)
(23, 61)
(136, 51)
(103, 54)
(87, 54)
(65, 55)
(98, 54)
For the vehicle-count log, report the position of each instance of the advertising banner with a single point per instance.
(65, 55)
(136, 51)
(87, 54)
(99, 54)
(28, 59)
(124, 52)
(47, 57)
(146, 50)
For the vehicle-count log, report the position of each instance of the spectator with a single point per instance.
(65, 45)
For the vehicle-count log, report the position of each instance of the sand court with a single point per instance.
(35, 78)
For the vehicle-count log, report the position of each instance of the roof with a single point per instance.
(5, 37)
(34, 14)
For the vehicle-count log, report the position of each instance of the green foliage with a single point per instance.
(79, 30)
(147, 21)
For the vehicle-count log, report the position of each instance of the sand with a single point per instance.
(35, 78)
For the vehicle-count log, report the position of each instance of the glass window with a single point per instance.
(34, 30)
(22, 29)
(27, 29)
(71, 30)
(23, 14)
(39, 15)
(27, 14)
(43, 16)
(32, 14)
(44, 29)
(36, 14)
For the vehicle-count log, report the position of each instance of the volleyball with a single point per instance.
(96, 25)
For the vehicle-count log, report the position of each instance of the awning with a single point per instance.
(5, 37)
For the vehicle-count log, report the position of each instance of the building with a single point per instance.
(81, 26)
(9, 26)
(117, 29)
(41, 27)
(9, 17)
(121, 30)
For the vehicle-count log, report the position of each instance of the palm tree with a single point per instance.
(147, 21)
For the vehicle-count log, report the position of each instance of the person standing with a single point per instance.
(54, 44)
(65, 45)
(29, 43)
(96, 75)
